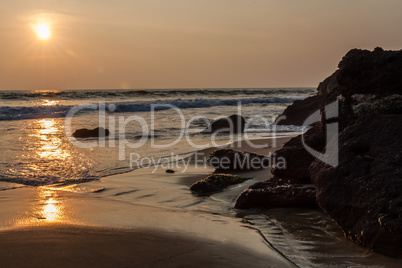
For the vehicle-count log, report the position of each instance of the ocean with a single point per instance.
(36, 151)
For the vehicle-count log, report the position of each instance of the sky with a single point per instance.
(122, 44)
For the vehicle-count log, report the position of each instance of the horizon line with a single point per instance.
(167, 88)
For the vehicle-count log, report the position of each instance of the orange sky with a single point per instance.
(187, 43)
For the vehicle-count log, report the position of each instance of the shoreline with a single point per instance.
(122, 213)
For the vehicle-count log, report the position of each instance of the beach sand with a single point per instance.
(82, 246)
(138, 219)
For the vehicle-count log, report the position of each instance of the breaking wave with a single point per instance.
(8, 113)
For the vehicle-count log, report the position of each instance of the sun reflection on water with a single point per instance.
(49, 142)
(42, 154)
(52, 209)
(49, 207)
(46, 102)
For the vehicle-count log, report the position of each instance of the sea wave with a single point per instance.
(122, 94)
(8, 113)
(44, 180)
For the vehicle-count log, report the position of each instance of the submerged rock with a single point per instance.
(91, 133)
(216, 183)
(276, 193)
(233, 124)
(232, 160)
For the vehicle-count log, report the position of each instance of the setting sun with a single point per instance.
(42, 30)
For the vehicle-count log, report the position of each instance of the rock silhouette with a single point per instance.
(91, 133)
(232, 124)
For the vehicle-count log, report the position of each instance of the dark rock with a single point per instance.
(170, 171)
(364, 72)
(91, 133)
(231, 160)
(276, 193)
(363, 194)
(367, 82)
(329, 88)
(298, 112)
(297, 158)
(232, 124)
(216, 183)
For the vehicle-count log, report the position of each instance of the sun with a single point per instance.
(42, 30)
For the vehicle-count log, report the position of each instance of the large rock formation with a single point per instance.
(366, 82)
(363, 192)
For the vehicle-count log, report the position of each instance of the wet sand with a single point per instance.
(137, 219)
(87, 231)
(68, 246)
